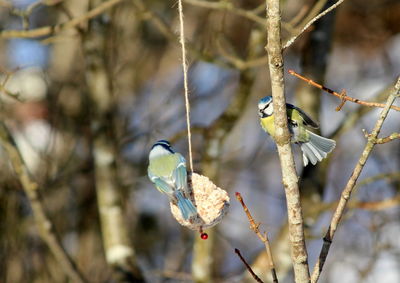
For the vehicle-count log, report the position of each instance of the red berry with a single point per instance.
(204, 236)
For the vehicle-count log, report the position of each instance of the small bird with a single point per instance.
(314, 147)
(167, 170)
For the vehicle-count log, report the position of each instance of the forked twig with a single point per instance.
(263, 238)
(387, 139)
(7, 77)
(341, 95)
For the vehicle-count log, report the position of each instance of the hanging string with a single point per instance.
(185, 82)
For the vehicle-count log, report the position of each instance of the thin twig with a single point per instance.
(14, 95)
(50, 30)
(300, 14)
(263, 238)
(377, 205)
(342, 95)
(228, 6)
(282, 138)
(237, 251)
(364, 205)
(165, 29)
(353, 117)
(316, 7)
(387, 139)
(185, 82)
(313, 20)
(378, 177)
(31, 189)
(346, 193)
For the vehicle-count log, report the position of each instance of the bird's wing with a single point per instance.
(161, 184)
(180, 174)
(306, 119)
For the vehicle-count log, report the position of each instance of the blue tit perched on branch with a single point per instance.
(167, 170)
(314, 147)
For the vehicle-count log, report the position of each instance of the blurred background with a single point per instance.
(85, 100)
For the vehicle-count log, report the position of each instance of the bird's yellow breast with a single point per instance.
(267, 124)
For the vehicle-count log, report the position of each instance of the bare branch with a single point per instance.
(50, 30)
(14, 95)
(377, 205)
(354, 116)
(228, 6)
(167, 31)
(282, 139)
(263, 238)
(383, 176)
(387, 139)
(237, 251)
(342, 95)
(345, 196)
(119, 252)
(31, 189)
(292, 40)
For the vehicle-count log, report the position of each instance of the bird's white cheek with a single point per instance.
(269, 110)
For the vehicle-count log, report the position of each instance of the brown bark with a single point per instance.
(282, 139)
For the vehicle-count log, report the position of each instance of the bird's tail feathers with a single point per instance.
(186, 206)
(316, 149)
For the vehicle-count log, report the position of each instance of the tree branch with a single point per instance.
(342, 95)
(50, 30)
(387, 139)
(119, 252)
(282, 139)
(351, 184)
(293, 39)
(31, 189)
(263, 238)
(353, 117)
(237, 251)
(228, 6)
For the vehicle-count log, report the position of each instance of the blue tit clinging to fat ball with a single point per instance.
(167, 170)
(314, 147)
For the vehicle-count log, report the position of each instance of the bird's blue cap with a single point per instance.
(265, 100)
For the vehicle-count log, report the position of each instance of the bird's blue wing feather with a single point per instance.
(186, 207)
(180, 174)
(161, 184)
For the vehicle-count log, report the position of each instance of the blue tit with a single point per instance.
(167, 170)
(314, 147)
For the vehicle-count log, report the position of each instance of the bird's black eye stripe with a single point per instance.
(265, 107)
